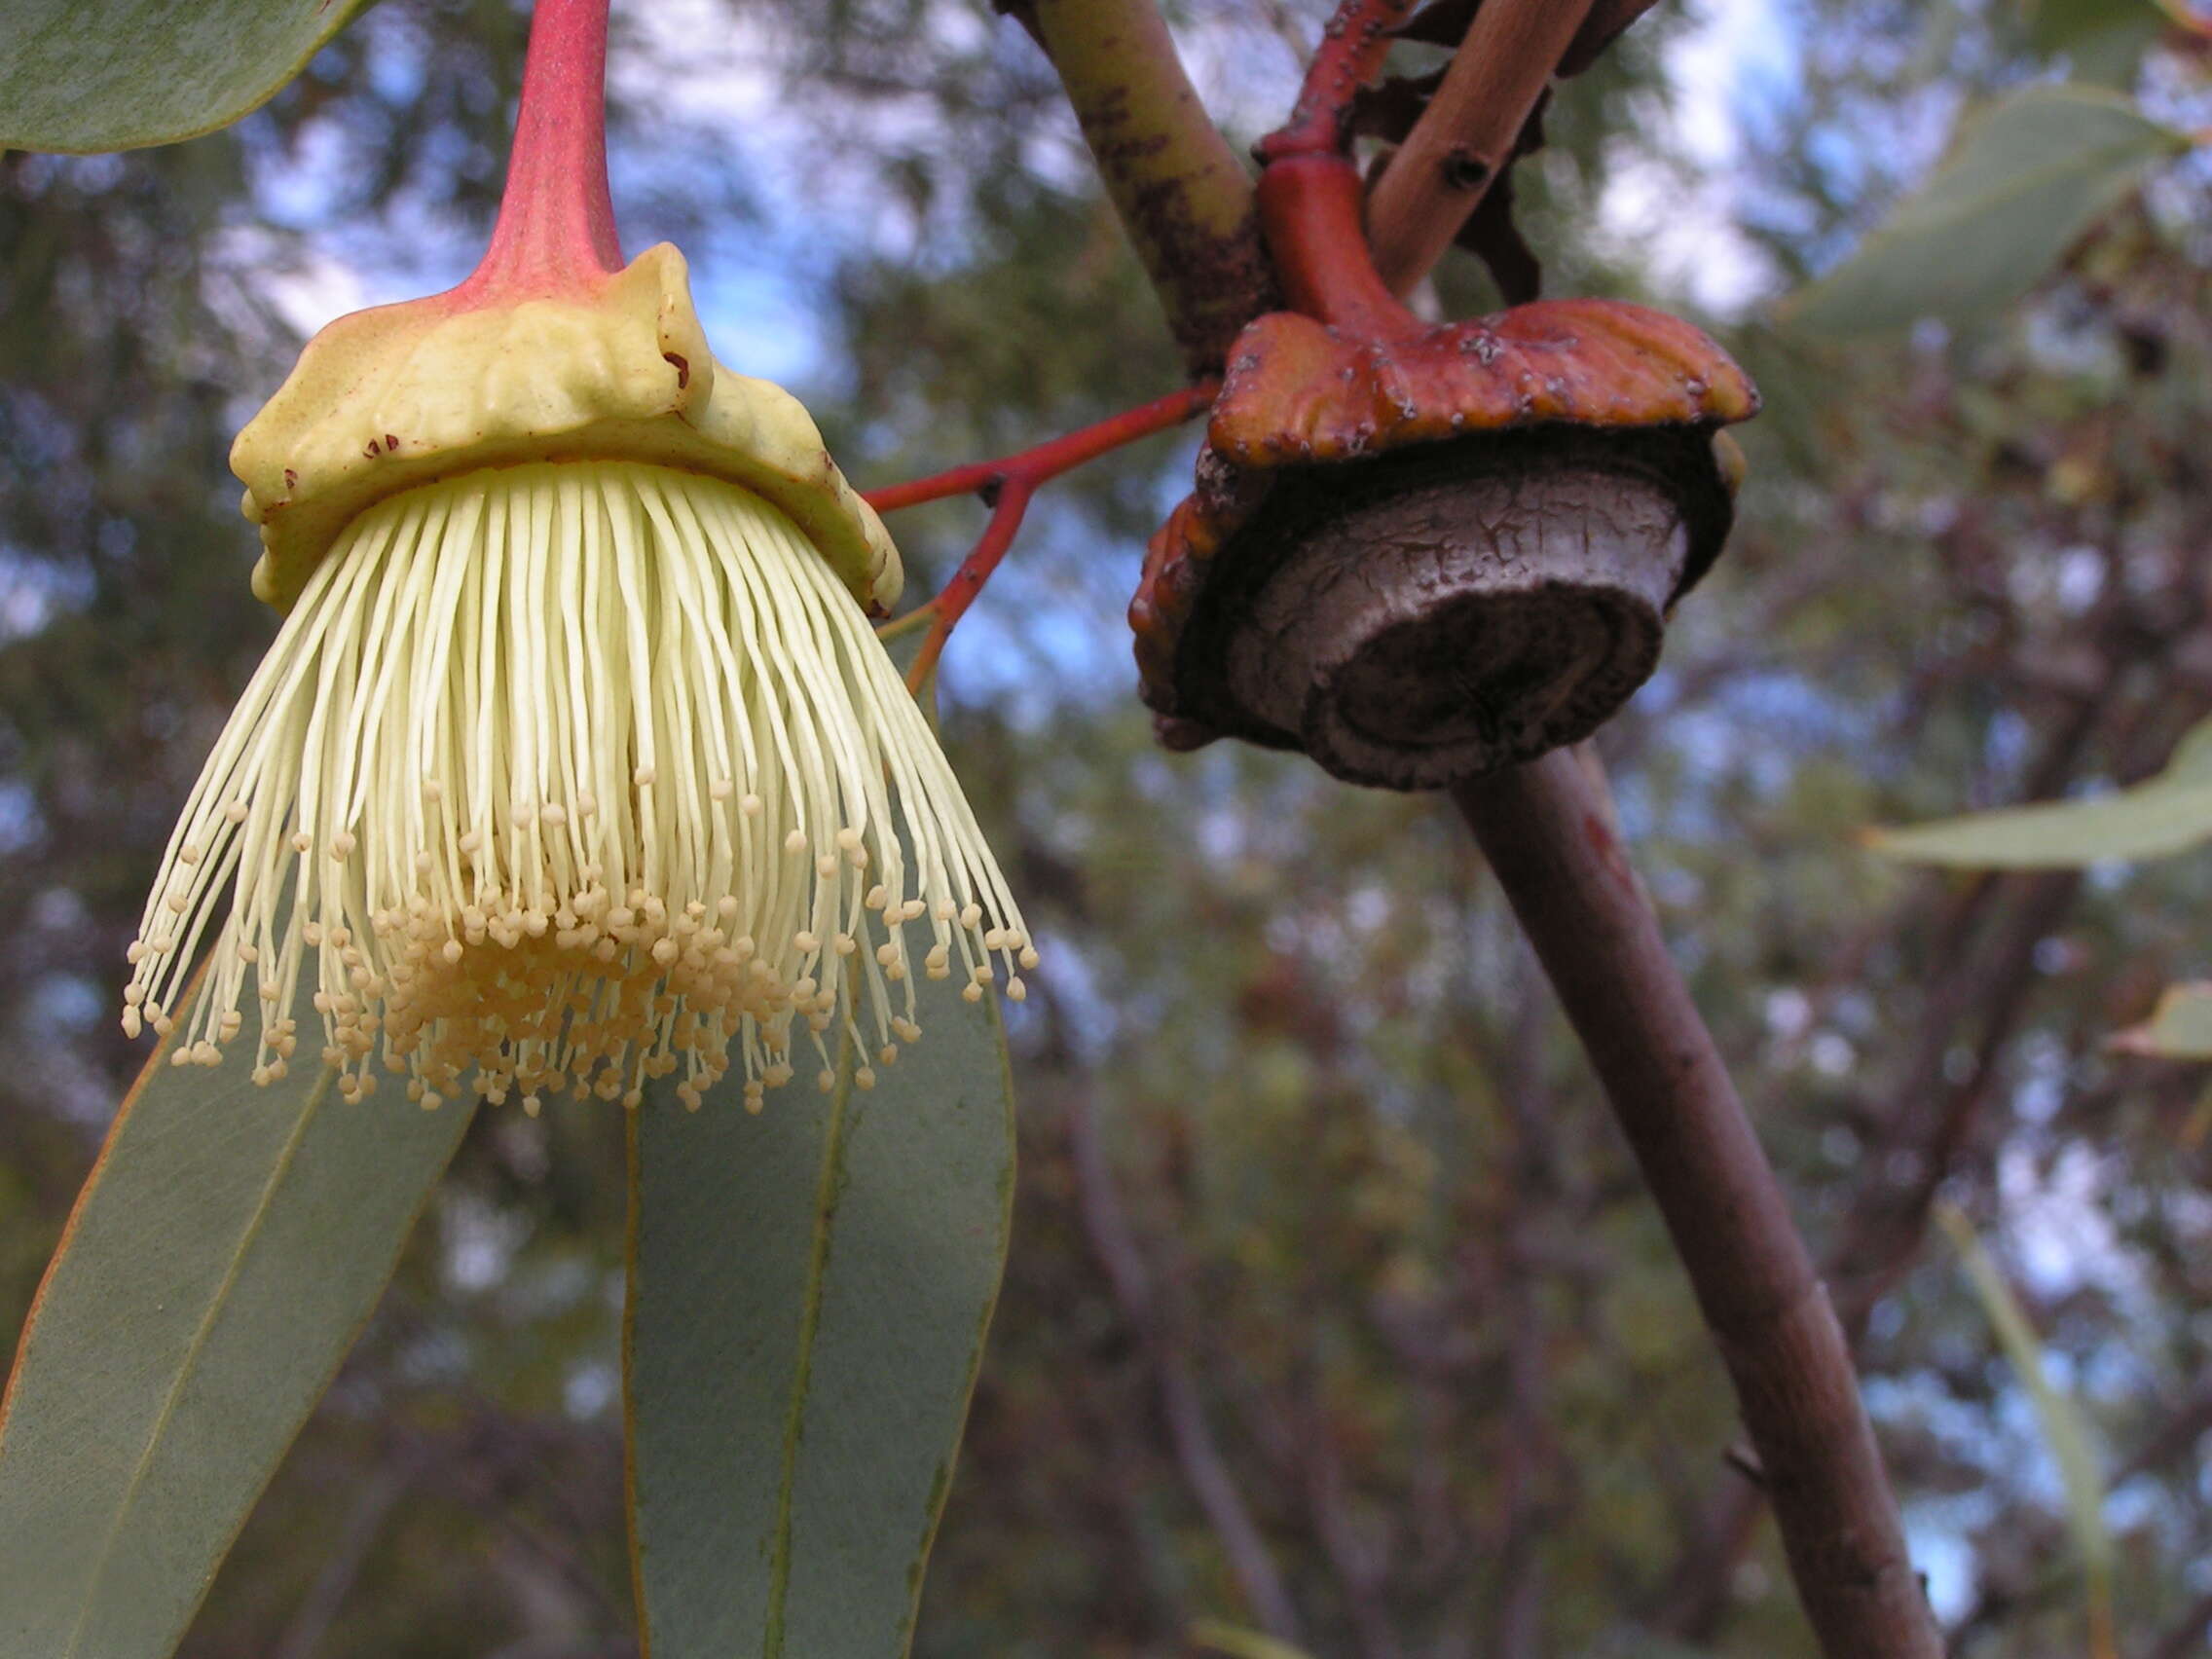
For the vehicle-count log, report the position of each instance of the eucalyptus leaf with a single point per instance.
(86, 75)
(2171, 813)
(809, 1293)
(2024, 181)
(230, 1244)
(2065, 1429)
(2102, 41)
(1211, 1635)
(2180, 1027)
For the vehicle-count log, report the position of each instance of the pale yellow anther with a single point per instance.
(302, 842)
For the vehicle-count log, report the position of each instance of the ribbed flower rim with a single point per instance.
(564, 776)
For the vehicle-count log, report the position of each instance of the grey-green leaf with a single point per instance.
(2024, 181)
(2103, 41)
(2180, 1027)
(810, 1294)
(2066, 1429)
(230, 1242)
(2171, 814)
(85, 75)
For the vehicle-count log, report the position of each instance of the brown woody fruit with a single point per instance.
(1421, 553)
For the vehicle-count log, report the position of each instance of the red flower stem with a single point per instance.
(1311, 211)
(1354, 45)
(556, 227)
(1006, 486)
(1048, 459)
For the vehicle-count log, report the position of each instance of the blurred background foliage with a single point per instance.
(1334, 1308)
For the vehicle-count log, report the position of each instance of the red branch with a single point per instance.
(1354, 45)
(1006, 485)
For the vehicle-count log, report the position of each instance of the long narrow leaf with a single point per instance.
(2169, 814)
(2065, 1431)
(2022, 183)
(810, 1294)
(230, 1243)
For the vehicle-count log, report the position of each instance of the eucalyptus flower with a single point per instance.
(577, 761)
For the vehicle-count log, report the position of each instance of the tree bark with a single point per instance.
(1543, 830)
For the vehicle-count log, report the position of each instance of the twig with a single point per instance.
(1465, 136)
(1006, 485)
(1211, 1484)
(365, 1523)
(1181, 192)
(1568, 880)
(1350, 55)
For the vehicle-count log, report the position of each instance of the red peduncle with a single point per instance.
(556, 227)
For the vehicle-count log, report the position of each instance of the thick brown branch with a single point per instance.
(1183, 195)
(1568, 880)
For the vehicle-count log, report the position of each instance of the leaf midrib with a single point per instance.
(810, 1320)
(185, 1372)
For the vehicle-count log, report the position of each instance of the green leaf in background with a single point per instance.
(809, 1293)
(1211, 1635)
(2180, 1027)
(2065, 1431)
(2169, 814)
(2022, 182)
(230, 1244)
(83, 75)
(2103, 41)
